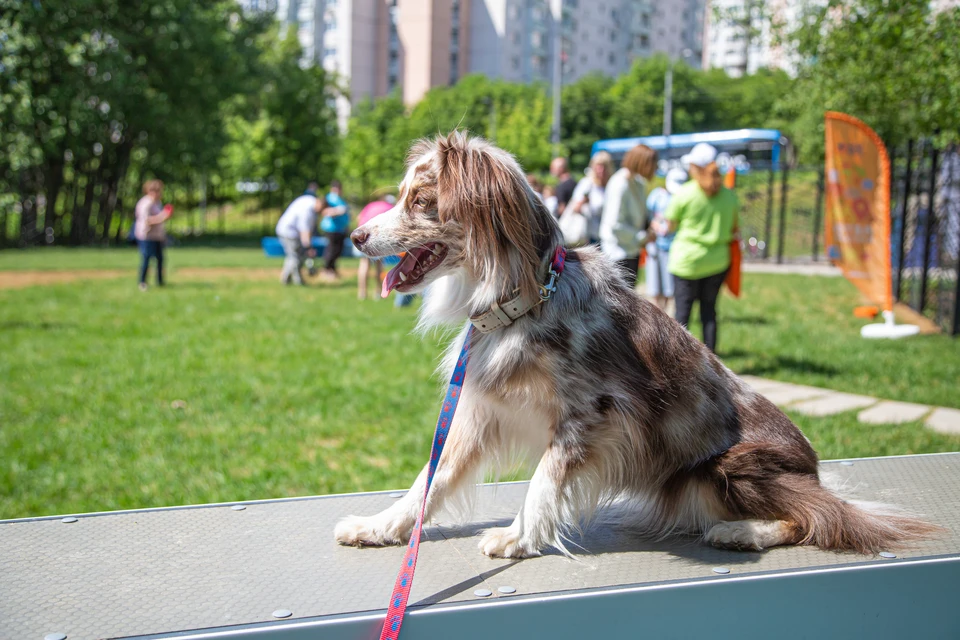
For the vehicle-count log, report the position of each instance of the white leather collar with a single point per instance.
(503, 314)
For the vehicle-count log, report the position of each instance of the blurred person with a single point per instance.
(335, 224)
(535, 184)
(588, 197)
(550, 199)
(149, 229)
(294, 229)
(704, 215)
(658, 277)
(560, 169)
(623, 225)
(369, 212)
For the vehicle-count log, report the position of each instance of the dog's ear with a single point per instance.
(482, 189)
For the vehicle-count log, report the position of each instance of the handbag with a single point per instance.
(573, 226)
(733, 273)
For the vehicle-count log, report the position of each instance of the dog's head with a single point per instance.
(463, 204)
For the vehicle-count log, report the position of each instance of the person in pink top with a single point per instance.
(149, 231)
(368, 213)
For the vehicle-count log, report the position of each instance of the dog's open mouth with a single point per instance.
(413, 267)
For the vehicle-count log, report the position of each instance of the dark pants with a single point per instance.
(151, 249)
(706, 291)
(630, 267)
(333, 250)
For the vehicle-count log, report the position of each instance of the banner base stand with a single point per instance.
(889, 328)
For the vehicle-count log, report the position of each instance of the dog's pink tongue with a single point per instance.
(391, 281)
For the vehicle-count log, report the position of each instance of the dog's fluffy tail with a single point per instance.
(829, 522)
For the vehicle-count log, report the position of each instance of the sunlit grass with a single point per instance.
(219, 389)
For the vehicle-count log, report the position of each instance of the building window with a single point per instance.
(612, 59)
(515, 62)
(454, 68)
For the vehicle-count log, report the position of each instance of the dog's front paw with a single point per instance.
(373, 531)
(505, 542)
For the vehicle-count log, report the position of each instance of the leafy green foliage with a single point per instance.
(893, 64)
(285, 133)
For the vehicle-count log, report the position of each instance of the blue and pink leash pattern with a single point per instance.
(401, 589)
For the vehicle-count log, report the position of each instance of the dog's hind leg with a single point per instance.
(459, 463)
(752, 535)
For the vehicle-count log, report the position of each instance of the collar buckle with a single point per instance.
(548, 289)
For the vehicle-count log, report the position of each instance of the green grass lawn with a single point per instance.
(64, 258)
(220, 389)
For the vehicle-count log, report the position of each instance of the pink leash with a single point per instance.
(401, 589)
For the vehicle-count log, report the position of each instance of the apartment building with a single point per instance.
(378, 46)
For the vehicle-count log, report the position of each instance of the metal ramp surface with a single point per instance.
(216, 571)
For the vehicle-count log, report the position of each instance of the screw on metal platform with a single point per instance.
(55, 636)
(238, 507)
(282, 613)
(483, 593)
(887, 554)
(69, 520)
(847, 463)
(721, 570)
(507, 590)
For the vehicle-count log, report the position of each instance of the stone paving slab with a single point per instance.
(831, 403)
(945, 420)
(760, 385)
(890, 412)
(786, 394)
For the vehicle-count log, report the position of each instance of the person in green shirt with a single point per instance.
(704, 215)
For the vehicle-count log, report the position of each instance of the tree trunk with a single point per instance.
(28, 208)
(55, 175)
(80, 225)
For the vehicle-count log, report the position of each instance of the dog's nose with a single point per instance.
(359, 236)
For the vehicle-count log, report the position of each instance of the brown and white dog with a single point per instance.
(617, 401)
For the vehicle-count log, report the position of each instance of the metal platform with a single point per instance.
(216, 571)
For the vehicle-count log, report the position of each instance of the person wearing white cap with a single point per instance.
(623, 223)
(705, 215)
(658, 278)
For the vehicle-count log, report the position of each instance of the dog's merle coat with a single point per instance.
(619, 402)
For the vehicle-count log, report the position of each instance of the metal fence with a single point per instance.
(925, 231)
(781, 213)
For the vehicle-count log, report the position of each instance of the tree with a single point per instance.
(374, 147)
(285, 133)
(892, 63)
(526, 133)
(585, 115)
(90, 89)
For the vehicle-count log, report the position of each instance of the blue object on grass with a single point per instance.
(273, 249)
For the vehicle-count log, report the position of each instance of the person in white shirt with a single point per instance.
(588, 196)
(623, 226)
(294, 229)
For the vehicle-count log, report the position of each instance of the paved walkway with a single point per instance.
(801, 268)
(814, 401)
